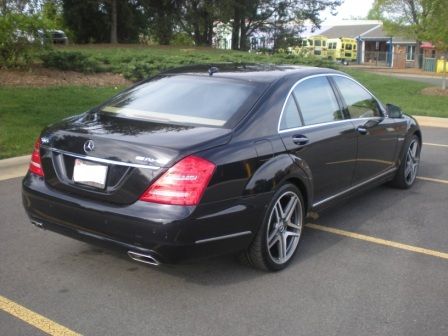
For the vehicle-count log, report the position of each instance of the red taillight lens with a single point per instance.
(35, 164)
(182, 184)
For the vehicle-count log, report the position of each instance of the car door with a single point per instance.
(377, 136)
(313, 128)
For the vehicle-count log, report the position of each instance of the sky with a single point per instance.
(349, 9)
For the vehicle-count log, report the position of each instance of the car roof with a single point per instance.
(262, 73)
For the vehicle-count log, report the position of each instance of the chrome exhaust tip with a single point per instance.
(38, 224)
(143, 258)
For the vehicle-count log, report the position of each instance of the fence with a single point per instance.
(396, 60)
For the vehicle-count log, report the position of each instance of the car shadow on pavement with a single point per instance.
(226, 270)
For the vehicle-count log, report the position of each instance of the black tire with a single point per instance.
(284, 233)
(407, 172)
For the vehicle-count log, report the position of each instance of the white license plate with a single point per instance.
(90, 173)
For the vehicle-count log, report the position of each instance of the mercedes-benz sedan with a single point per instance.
(202, 161)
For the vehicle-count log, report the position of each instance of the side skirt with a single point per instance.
(376, 180)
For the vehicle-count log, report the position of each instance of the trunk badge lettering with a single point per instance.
(145, 159)
(89, 146)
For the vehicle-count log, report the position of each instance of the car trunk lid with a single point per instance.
(128, 154)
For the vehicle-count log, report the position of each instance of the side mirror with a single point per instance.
(394, 111)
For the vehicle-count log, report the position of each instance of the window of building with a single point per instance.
(410, 53)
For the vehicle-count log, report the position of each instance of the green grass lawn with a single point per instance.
(25, 111)
(404, 93)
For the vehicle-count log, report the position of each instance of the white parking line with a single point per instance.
(432, 179)
(379, 241)
(433, 144)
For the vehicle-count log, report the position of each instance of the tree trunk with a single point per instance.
(197, 34)
(206, 34)
(243, 37)
(419, 55)
(236, 28)
(113, 24)
(3, 5)
(210, 33)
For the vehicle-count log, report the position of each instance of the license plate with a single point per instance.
(90, 173)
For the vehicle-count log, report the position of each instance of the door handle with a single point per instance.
(361, 130)
(300, 140)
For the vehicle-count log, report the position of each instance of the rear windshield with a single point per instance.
(185, 99)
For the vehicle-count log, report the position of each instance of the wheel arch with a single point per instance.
(418, 133)
(303, 190)
(278, 171)
(412, 129)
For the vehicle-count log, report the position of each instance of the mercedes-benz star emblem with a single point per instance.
(89, 146)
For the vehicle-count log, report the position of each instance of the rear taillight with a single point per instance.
(182, 184)
(36, 164)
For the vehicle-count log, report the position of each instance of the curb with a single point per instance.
(18, 166)
(432, 121)
(14, 167)
(390, 71)
(15, 161)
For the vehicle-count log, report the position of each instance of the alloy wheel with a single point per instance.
(284, 227)
(412, 161)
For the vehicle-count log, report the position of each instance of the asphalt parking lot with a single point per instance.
(383, 270)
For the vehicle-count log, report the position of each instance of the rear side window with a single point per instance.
(185, 99)
(360, 103)
(290, 116)
(317, 101)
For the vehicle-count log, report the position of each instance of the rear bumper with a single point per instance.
(171, 233)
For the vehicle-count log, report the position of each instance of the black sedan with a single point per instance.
(202, 161)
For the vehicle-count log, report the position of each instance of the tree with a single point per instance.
(19, 36)
(436, 30)
(87, 20)
(198, 17)
(17, 6)
(405, 17)
(157, 18)
(104, 20)
(268, 15)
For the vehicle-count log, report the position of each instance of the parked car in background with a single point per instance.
(53, 36)
(203, 161)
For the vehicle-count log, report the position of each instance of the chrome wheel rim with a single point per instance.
(284, 227)
(412, 161)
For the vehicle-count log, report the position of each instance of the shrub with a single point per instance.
(19, 37)
(182, 40)
(138, 63)
(71, 60)
(146, 40)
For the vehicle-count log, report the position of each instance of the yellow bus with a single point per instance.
(318, 46)
(342, 49)
(313, 46)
